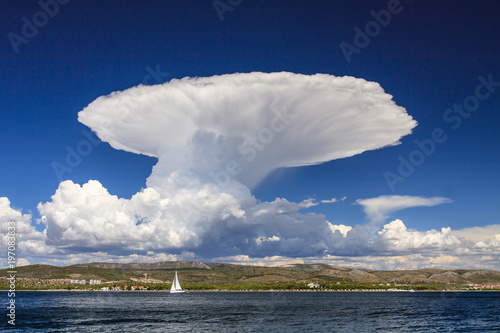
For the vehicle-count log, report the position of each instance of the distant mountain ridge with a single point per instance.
(196, 272)
(147, 266)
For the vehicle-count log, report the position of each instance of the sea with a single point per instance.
(86, 311)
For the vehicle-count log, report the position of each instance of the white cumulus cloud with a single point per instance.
(478, 234)
(29, 241)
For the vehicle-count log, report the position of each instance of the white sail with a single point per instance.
(177, 284)
(173, 286)
(176, 287)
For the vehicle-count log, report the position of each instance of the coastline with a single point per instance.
(256, 291)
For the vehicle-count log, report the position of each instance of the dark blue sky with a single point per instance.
(428, 57)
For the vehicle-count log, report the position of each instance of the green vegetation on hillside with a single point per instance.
(219, 276)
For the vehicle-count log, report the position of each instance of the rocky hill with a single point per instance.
(147, 266)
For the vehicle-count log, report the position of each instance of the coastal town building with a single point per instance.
(78, 281)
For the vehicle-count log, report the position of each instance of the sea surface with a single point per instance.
(47, 311)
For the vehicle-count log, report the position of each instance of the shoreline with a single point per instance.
(256, 291)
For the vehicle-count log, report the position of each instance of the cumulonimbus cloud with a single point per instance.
(270, 120)
(215, 138)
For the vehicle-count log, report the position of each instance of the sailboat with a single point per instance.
(176, 287)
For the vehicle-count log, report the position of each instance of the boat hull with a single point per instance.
(176, 291)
